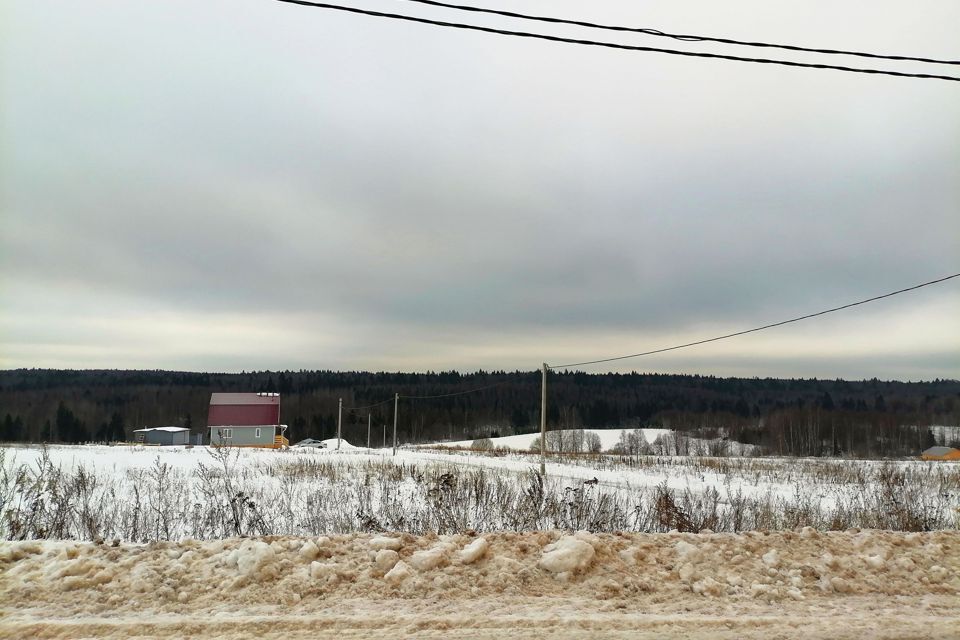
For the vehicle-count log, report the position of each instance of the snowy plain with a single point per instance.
(780, 477)
(608, 438)
(171, 542)
(312, 491)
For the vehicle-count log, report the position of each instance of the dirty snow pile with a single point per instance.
(873, 583)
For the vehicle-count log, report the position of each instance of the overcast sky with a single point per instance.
(243, 184)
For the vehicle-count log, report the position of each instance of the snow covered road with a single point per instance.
(869, 584)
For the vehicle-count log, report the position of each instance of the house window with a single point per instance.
(226, 433)
(257, 433)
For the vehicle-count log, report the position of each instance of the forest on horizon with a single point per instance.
(783, 416)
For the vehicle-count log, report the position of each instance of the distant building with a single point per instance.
(940, 453)
(246, 420)
(162, 435)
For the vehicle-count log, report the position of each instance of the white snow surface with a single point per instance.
(853, 584)
(264, 471)
(118, 460)
(608, 439)
(557, 584)
(332, 444)
(567, 554)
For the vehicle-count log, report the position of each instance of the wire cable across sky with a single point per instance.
(457, 393)
(442, 395)
(368, 406)
(613, 45)
(755, 329)
(681, 37)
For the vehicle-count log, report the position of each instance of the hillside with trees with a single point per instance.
(783, 416)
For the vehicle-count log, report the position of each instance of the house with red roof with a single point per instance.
(246, 420)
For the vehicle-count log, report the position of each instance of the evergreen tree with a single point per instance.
(879, 404)
(7, 430)
(69, 427)
(116, 432)
(826, 401)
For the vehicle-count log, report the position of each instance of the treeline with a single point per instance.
(788, 417)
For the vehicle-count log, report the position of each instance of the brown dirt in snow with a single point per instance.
(869, 584)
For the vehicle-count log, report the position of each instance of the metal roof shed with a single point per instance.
(163, 435)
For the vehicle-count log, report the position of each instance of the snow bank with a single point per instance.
(386, 559)
(430, 558)
(251, 556)
(567, 554)
(474, 551)
(724, 565)
(331, 445)
(385, 542)
(400, 572)
(736, 585)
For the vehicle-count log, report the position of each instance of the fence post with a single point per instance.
(396, 401)
(543, 421)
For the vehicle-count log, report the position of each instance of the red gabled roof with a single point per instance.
(244, 398)
(244, 409)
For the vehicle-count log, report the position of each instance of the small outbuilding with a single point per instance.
(163, 435)
(940, 453)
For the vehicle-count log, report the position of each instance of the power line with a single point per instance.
(612, 45)
(444, 395)
(681, 37)
(458, 393)
(368, 406)
(767, 326)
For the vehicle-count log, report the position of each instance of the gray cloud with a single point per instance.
(382, 181)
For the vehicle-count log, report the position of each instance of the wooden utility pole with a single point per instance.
(384, 436)
(396, 401)
(339, 416)
(368, 431)
(543, 422)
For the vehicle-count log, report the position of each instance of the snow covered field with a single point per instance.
(608, 438)
(174, 542)
(855, 584)
(166, 493)
(652, 441)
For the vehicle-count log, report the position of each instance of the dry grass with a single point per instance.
(309, 495)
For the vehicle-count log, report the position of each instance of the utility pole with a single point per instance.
(384, 436)
(368, 431)
(396, 401)
(339, 416)
(543, 422)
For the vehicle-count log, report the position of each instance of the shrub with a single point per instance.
(482, 444)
